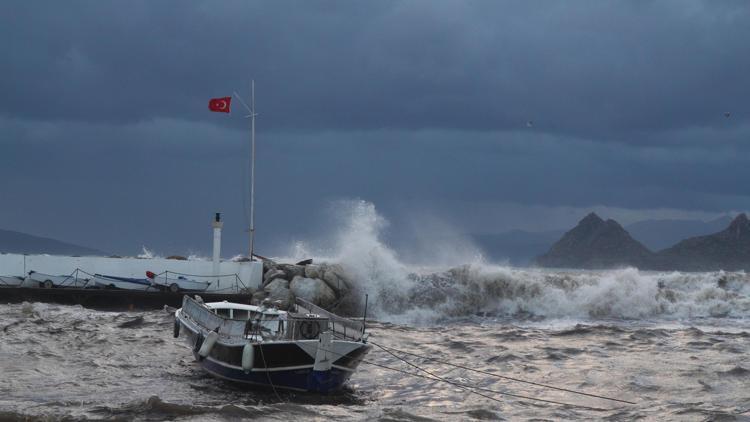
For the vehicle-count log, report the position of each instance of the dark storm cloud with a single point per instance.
(589, 69)
(419, 106)
(156, 183)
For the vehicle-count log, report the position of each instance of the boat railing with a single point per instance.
(342, 327)
(211, 321)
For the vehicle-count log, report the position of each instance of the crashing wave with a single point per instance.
(398, 291)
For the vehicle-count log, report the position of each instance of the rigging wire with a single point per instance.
(470, 388)
(501, 376)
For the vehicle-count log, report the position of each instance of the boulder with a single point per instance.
(313, 290)
(292, 270)
(273, 274)
(276, 283)
(335, 278)
(312, 271)
(269, 265)
(258, 297)
(278, 290)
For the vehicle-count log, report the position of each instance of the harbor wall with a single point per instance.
(249, 273)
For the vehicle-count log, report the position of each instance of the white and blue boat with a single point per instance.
(177, 283)
(124, 283)
(308, 349)
(48, 281)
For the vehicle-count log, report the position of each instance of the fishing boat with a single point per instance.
(176, 284)
(48, 281)
(304, 349)
(124, 283)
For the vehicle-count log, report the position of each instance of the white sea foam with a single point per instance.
(146, 254)
(403, 292)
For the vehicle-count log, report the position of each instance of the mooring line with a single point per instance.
(470, 388)
(467, 387)
(502, 376)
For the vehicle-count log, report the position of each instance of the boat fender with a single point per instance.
(208, 344)
(248, 357)
(176, 328)
(198, 342)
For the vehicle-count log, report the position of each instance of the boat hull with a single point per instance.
(302, 379)
(181, 284)
(282, 365)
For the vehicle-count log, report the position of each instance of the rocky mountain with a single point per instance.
(17, 242)
(595, 243)
(728, 249)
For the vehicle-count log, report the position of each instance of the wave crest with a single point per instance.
(398, 291)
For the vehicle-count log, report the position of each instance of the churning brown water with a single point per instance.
(62, 362)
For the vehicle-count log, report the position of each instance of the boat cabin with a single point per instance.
(305, 322)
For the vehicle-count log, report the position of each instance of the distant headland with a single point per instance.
(598, 244)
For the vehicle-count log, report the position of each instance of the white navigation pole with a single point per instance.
(252, 168)
(252, 115)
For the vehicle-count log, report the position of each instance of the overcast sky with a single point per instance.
(419, 107)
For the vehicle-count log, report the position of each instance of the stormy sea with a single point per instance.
(467, 340)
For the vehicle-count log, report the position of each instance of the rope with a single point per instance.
(466, 387)
(504, 377)
(472, 389)
(258, 333)
(268, 373)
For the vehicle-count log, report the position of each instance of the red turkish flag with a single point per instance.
(220, 105)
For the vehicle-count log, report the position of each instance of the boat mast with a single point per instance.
(252, 169)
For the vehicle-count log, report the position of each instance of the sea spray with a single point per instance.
(146, 254)
(402, 292)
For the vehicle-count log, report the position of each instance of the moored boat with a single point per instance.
(307, 349)
(176, 284)
(48, 281)
(125, 283)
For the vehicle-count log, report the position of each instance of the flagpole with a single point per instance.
(252, 169)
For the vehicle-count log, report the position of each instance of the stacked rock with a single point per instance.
(325, 285)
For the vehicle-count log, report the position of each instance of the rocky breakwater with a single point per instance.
(326, 285)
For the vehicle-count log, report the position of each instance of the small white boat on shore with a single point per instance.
(124, 283)
(48, 281)
(177, 283)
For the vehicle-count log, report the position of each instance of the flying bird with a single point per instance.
(727, 114)
(529, 124)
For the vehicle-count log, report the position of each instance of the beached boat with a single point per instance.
(307, 349)
(177, 283)
(125, 283)
(48, 281)
(10, 281)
